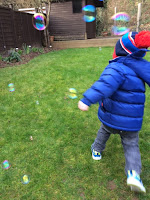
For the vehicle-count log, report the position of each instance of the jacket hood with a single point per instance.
(136, 62)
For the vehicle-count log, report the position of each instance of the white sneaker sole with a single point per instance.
(96, 158)
(135, 185)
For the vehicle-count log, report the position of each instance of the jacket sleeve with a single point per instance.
(109, 81)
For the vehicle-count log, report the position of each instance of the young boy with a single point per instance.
(120, 92)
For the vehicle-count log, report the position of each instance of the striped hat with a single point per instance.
(131, 42)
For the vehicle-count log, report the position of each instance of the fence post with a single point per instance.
(138, 16)
(115, 22)
(46, 31)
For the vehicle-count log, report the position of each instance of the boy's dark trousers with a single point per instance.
(130, 145)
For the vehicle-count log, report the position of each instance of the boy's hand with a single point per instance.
(82, 106)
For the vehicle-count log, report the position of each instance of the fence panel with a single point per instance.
(16, 28)
(6, 30)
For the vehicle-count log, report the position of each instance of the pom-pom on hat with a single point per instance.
(142, 39)
(131, 42)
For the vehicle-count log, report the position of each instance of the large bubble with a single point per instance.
(119, 30)
(89, 15)
(39, 21)
(121, 16)
(121, 20)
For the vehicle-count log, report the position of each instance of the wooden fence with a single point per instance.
(16, 28)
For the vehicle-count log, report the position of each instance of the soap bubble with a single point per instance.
(5, 164)
(11, 87)
(25, 179)
(121, 19)
(116, 30)
(72, 93)
(89, 15)
(39, 21)
(121, 16)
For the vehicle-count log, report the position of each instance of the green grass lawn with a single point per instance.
(58, 159)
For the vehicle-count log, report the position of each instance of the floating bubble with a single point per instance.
(72, 93)
(11, 87)
(121, 19)
(121, 16)
(25, 179)
(39, 21)
(5, 164)
(89, 15)
(119, 30)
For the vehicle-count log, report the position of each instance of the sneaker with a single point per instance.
(134, 181)
(96, 155)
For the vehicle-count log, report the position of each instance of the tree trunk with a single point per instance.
(46, 32)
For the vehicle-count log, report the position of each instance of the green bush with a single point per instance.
(13, 56)
(26, 49)
(41, 50)
(0, 57)
(36, 49)
(101, 21)
(20, 52)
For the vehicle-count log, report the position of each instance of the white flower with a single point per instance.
(31, 138)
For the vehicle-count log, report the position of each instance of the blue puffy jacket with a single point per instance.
(120, 92)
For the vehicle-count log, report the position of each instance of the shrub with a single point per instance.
(13, 56)
(26, 49)
(20, 52)
(36, 49)
(41, 50)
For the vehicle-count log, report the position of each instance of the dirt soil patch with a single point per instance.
(25, 58)
(112, 185)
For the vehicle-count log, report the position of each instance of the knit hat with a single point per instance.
(132, 42)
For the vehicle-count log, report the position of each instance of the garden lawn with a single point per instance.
(58, 159)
